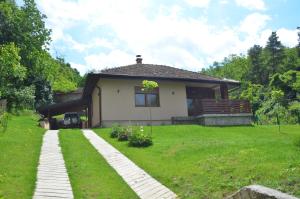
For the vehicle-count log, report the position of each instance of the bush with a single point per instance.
(123, 134)
(3, 121)
(115, 130)
(140, 139)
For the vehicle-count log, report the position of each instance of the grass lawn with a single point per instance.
(90, 175)
(212, 162)
(19, 154)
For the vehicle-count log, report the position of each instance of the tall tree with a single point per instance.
(256, 73)
(275, 54)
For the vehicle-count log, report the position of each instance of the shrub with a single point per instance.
(115, 130)
(123, 134)
(3, 121)
(140, 139)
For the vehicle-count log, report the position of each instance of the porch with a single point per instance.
(211, 106)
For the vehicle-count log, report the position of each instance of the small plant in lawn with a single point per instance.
(115, 130)
(123, 134)
(139, 138)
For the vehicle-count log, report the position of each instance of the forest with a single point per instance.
(28, 73)
(270, 80)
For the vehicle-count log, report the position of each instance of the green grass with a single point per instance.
(213, 162)
(19, 154)
(90, 174)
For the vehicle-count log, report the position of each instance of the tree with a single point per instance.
(288, 82)
(255, 93)
(25, 27)
(12, 76)
(43, 92)
(12, 72)
(149, 86)
(275, 54)
(256, 74)
(294, 107)
(272, 107)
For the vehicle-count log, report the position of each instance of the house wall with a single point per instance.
(118, 103)
(119, 107)
(95, 108)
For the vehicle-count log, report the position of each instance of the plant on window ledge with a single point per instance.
(149, 86)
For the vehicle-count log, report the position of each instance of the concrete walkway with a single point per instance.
(142, 183)
(52, 178)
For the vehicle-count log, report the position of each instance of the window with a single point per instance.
(146, 98)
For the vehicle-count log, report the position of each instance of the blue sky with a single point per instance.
(189, 34)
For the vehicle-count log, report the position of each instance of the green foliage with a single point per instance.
(22, 98)
(255, 93)
(24, 58)
(266, 74)
(294, 108)
(12, 79)
(275, 50)
(272, 110)
(4, 116)
(115, 130)
(256, 73)
(233, 67)
(11, 70)
(136, 135)
(149, 85)
(139, 138)
(123, 134)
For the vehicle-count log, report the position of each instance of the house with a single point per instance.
(115, 95)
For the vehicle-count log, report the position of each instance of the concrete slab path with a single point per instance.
(52, 177)
(141, 182)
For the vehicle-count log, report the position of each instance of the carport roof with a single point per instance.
(61, 108)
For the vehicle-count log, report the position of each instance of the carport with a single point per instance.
(51, 110)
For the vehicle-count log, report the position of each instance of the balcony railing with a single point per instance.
(221, 106)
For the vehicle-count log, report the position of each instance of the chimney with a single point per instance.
(139, 59)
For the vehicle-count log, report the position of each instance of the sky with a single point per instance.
(188, 34)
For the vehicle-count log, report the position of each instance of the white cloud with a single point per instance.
(251, 4)
(224, 2)
(81, 68)
(254, 23)
(168, 37)
(112, 59)
(288, 37)
(198, 3)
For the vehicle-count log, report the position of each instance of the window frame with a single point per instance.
(138, 90)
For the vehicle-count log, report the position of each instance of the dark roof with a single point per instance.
(151, 71)
(61, 108)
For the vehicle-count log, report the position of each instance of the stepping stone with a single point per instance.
(145, 186)
(52, 177)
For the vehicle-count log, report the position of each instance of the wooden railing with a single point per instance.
(222, 106)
